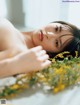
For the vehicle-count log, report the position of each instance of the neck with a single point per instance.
(28, 36)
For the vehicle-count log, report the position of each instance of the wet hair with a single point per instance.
(74, 44)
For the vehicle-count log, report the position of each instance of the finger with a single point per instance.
(42, 52)
(46, 64)
(37, 49)
(43, 58)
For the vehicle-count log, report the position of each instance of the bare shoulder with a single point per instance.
(6, 25)
(7, 30)
(10, 37)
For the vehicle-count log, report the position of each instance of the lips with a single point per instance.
(41, 35)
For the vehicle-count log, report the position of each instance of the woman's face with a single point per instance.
(53, 37)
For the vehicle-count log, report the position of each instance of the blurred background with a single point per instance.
(29, 14)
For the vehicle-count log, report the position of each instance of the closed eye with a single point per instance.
(58, 28)
(56, 43)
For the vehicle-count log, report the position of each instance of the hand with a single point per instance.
(33, 60)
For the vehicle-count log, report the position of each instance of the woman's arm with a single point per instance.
(11, 62)
(33, 60)
(9, 53)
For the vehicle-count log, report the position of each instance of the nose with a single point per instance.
(51, 35)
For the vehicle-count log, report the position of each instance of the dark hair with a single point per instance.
(74, 44)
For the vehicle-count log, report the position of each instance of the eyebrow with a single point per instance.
(60, 42)
(65, 41)
(60, 28)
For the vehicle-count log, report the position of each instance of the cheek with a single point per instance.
(47, 45)
(49, 29)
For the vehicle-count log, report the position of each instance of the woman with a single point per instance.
(70, 45)
(54, 38)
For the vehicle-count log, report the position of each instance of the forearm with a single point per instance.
(14, 65)
(33, 60)
(8, 67)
